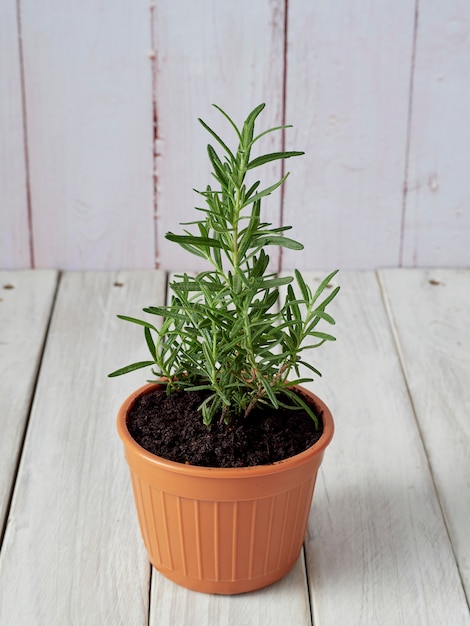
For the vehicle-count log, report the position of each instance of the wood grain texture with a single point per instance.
(26, 300)
(14, 228)
(90, 131)
(437, 217)
(285, 602)
(430, 312)
(348, 72)
(112, 95)
(230, 54)
(378, 551)
(72, 545)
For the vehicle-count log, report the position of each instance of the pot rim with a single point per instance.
(224, 472)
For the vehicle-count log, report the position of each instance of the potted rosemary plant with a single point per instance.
(225, 444)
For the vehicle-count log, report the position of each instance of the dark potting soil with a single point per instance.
(171, 427)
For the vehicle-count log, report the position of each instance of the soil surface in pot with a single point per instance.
(171, 427)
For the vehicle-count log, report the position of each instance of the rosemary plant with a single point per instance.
(228, 330)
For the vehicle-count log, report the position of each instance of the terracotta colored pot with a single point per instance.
(223, 530)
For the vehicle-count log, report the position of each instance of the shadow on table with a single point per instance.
(386, 541)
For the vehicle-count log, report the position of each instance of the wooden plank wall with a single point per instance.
(437, 216)
(353, 68)
(100, 148)
(14, 227)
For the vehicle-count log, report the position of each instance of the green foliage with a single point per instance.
(228, 330)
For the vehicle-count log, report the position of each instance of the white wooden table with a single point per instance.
(389, 533)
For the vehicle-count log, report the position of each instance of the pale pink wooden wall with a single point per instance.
(100, 147)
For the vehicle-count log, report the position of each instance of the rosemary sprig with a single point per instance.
(226, 330)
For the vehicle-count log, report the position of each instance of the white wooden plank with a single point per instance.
(430, 311)
(437, 218)
(90, 131)
(378, 551)
(230, 54)
(285, 602)
(72, 552)
(348, 69)
(14, 229)
(26, 299)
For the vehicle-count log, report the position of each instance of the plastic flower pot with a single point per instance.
(223, 530)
